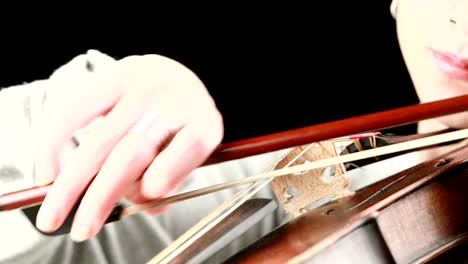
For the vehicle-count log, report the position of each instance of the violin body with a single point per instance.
(417, 215)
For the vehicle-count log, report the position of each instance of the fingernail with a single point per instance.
(46, 220)
(79, 235)
(152, 193)
(152, 189)
(81, 231)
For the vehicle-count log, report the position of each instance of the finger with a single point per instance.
(80, 136)
(89, 128)
(63, 116)
(135, 196)
(86, 162)
(123, 167)
(189, 148)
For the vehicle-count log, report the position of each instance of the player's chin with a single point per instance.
(456, 121)
(454, 89)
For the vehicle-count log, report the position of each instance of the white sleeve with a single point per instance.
(21, 107)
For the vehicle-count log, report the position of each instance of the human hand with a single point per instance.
(157, 123)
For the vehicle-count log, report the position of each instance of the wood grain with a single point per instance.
(296, 191)
(425, 220)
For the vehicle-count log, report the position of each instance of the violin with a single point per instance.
(414, 206)
(415, 216)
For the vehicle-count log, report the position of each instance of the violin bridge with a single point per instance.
(303, 191)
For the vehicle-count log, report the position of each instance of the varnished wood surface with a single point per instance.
(364, 245)
(417, 211)
(238, 222)
(424, 221)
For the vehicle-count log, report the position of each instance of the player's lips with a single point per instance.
(450, 64)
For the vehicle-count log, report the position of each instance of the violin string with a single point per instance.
(213, 218)
(374, 141)
(358, 145)
(357, 136)
(414, 144)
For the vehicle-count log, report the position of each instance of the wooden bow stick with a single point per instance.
(338, 128)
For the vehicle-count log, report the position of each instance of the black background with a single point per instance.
(270, 67)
